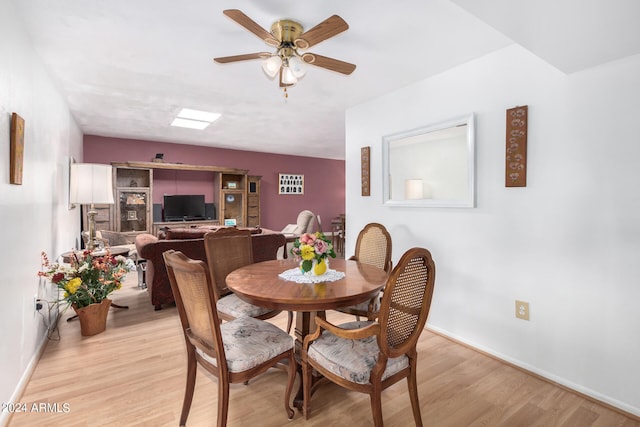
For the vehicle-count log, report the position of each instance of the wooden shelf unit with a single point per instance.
(253, 200)
(233, 198)
(179, 166)
(232, 189)
(133, 189)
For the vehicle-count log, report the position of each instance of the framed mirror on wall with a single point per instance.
(431, 166)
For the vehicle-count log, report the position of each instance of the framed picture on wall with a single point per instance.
(16, 149)
(290, 183)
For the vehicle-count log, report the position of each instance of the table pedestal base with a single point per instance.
(305, 324)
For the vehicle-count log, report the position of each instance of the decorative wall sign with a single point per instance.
(17, 149)
(290, 184)
(72, 160)
(516, 157)
(365, 165)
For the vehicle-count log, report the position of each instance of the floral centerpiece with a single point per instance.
(88, 279)
(313, 252)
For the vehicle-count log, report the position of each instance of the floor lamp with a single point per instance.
(91, 183)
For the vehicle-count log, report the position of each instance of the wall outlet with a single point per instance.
(522, 310)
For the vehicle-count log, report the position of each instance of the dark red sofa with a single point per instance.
(190, 241)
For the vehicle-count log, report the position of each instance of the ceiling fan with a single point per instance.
(289, 39)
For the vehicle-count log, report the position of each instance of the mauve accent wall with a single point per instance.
(324, 192)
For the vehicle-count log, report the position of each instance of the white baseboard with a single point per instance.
(51, 323)
(24, 379)
(541, 373)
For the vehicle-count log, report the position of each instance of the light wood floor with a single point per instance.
(133, 375)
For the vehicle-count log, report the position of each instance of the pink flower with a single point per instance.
(307, 239)
(321, 246)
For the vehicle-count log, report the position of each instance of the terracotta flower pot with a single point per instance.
(93, 318)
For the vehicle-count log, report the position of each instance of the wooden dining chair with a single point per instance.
(233, 351)
(370, 356)
(228, 249)
(372, 247)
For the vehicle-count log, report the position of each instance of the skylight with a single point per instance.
(194, 119)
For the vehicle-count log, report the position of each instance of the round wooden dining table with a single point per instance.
(261, 285)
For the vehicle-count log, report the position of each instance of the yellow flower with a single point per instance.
(307, 252)
(73, 285)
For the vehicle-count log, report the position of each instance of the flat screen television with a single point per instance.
(184, 207)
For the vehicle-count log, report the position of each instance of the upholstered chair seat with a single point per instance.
(352, 360)
(250, 342)
(231, 306)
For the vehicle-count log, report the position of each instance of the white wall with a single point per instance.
(568, 243)
(34, 216)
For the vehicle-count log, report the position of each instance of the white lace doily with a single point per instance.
(296, 275)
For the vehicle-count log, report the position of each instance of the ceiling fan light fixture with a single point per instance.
(271, 66)
(287, 36)
(288, 77)
(297, 67)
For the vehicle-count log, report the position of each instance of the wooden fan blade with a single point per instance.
(328, 28)
(252, 26)
(245, 57)
(328, 63)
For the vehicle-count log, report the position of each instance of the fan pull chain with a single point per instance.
(286, 95)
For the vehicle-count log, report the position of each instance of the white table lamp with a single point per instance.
(91, 183)
(413, 189)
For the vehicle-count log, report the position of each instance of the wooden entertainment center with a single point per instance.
(238, 198)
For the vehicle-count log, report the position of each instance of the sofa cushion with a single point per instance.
(186, 233)
(196, 232)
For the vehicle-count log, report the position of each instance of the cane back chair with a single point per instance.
(233, 351)
(372, 247)
(370, 356)
(228, 249)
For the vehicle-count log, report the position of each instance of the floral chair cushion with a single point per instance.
(249, 342)
(235, 307)
(352, 360)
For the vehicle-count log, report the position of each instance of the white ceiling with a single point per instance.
(126, 67)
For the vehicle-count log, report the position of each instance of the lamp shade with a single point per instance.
(271, 66)
(288, 77)
(297, 67)
(91, 183)
(413, 189)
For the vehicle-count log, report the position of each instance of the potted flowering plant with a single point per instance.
(87, 281)
(313, 252)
